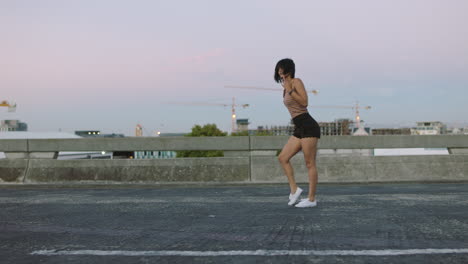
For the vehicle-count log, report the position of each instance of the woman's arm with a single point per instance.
(298, 92)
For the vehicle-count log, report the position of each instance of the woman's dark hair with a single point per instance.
(288, 67)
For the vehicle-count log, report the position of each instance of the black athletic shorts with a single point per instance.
(305, 126)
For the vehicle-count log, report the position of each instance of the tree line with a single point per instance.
(211, 130)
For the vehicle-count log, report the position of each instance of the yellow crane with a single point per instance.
(11, 107)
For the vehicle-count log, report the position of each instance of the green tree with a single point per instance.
(240, 134)
(263, 133)
(256, 133)
(208, 130)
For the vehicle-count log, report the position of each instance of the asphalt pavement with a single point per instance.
(376, 223)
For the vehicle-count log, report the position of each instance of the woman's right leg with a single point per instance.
(289, 150)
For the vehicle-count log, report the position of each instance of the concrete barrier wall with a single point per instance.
(368, 169)
(13, 171)
(255, 169)
(133, 171)
(368, 142)
(13, 145)
(247, 159)
(139, 143)
(226, 143)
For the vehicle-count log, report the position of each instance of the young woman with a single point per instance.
(305, 136)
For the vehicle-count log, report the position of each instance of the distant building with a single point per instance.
(429, 128)
(458, 131)
(87, 133)
(391, 131)
(340, 127)
(13, 125)
(164, 154)
(273, 130)
(242, 125)
(158, 154)
(361, 131)
(454, 131)
(139, 131)
(96, 133)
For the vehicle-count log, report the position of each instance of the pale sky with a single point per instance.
(109, 65)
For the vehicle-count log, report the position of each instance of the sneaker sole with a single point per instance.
(296, 202)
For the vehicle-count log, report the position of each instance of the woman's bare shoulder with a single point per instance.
(298, 81)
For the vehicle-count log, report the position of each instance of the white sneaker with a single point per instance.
(306, 203)
(293, 197)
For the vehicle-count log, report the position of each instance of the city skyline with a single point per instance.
(111, 65)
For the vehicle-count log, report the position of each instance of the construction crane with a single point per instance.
(355, 107)
(315, 92)
(233, 109)
(11, 106)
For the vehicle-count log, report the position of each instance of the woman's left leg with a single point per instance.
(309, 148)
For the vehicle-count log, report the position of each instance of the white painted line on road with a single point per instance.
(381, 252)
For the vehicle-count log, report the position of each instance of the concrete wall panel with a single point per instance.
(12, 171)
(168, 170)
